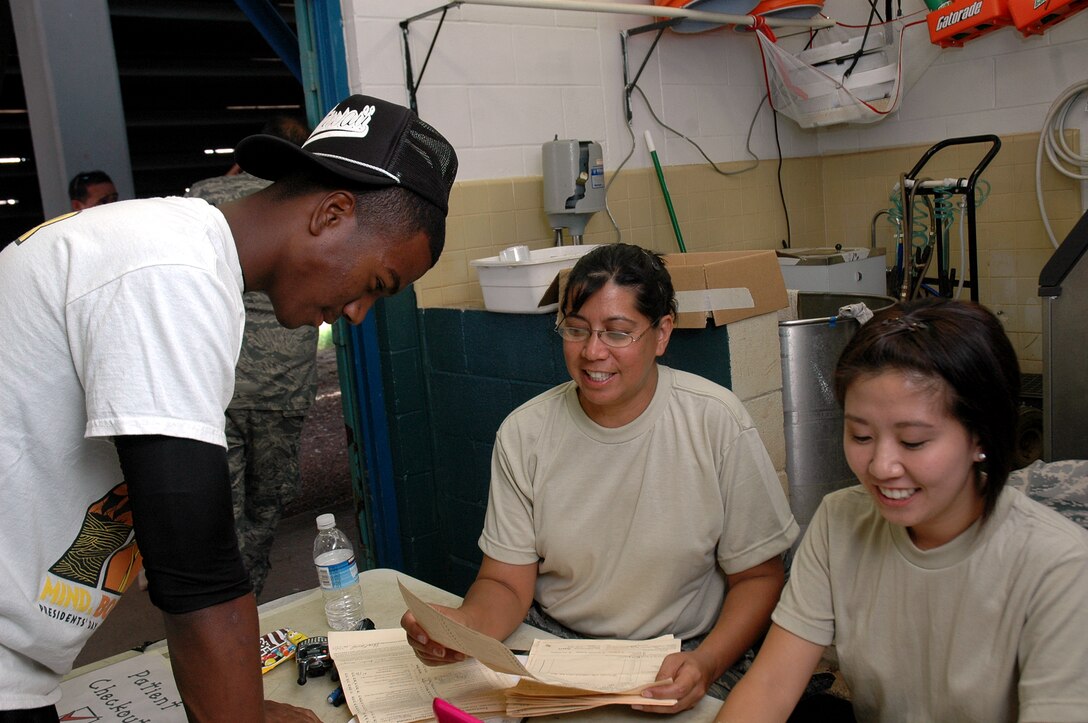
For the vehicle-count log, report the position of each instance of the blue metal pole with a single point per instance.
(277, 33)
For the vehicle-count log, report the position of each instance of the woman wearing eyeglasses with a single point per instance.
(632, 501)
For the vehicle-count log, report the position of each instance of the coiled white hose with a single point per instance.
(1052, 141)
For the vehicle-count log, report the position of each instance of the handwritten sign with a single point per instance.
(140, 688)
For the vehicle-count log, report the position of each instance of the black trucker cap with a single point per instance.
(366, 140)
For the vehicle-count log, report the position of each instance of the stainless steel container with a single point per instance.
(1063, 285)
(810, 346)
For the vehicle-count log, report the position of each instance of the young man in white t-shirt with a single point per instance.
(122, 324)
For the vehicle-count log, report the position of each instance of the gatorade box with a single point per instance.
(1033, 17)
(954, 23)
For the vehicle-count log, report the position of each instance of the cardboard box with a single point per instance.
(714, 288)
(850, 270)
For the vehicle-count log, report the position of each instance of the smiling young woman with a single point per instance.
(916, 459)
(947, 595)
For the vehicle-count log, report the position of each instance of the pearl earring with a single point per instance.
(981, 457)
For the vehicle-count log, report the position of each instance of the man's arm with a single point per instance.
(216, 661)
(184, 524)
(216, 644)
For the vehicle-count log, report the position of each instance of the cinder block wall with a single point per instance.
(410, 421)
(478, 367)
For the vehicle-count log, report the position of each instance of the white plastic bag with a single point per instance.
(812, 86)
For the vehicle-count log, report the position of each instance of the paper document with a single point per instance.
(600, 666)
(453, 634)
(384, 682)
(573, 675)
(559, 675)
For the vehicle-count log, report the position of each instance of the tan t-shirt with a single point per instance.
(634, 528)
(992, 626)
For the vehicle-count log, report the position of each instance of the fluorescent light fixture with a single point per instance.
(218, 151)
(12, 159)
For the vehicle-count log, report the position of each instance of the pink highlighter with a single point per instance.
(447, 713)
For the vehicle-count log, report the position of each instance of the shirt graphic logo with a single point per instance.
(85, 583)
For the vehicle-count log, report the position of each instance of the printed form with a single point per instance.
(383, 680)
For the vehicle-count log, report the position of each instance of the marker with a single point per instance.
(337, 696)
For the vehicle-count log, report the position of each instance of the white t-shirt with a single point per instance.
(634, 528)
(992, 626)
(123, 319)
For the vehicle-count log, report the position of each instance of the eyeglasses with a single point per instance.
(614, 339)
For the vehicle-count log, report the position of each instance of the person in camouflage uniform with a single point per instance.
(275, 385)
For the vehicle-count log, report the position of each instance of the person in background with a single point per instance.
(948, 596)
(121, 330)
(91, 188)
(634, 500)
(275, 384)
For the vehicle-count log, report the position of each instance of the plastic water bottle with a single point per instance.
(338, 575)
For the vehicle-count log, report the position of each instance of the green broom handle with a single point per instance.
(665, 192)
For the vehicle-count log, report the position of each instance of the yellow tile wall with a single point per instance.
(831, 199)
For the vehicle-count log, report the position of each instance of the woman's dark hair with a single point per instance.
(634, 267)
(962, 343)
(393, 210)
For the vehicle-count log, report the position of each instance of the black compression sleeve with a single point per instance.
(184, 521)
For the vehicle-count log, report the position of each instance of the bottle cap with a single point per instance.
(326, 521)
